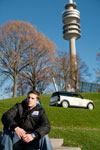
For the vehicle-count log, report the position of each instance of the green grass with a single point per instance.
(78, 127)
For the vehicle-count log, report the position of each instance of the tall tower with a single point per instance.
(71, 32)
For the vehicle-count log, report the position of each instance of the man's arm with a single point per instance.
(8, 117)
(8, 120)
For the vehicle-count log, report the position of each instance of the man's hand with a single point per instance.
(28, 138)
(20, 132)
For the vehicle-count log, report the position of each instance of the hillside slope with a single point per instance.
(78, 127)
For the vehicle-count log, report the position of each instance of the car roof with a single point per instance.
(64, 93)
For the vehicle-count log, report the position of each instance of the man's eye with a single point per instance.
(30, 97)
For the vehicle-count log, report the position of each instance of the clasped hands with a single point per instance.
(23, 135)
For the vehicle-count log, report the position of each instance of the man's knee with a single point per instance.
(8, 140)
(45, 143)
(44, 139)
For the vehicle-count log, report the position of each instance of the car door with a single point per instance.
(78, 100)
(73, 101)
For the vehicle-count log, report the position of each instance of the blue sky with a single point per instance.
(46, 15)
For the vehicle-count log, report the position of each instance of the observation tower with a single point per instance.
(71, 29)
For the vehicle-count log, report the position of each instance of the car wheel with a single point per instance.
(90, 106)
(65, 104)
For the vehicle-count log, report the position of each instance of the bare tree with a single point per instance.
(61, 70)
(15, 40)
(78, 72)
(37, 74)
(64, 75)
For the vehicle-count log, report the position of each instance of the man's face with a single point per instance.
(32, 100)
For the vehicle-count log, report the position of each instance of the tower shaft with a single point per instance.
(70, 1)
(72, 47)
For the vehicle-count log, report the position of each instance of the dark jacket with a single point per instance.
(32, 121)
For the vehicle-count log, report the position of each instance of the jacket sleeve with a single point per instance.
(44, 125)
(8, 118)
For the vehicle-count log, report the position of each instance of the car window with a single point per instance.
(65, 94)
(78, 96)
(55, 94)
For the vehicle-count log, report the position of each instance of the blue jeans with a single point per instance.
(11, 141)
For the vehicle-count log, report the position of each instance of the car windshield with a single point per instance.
(55, 94)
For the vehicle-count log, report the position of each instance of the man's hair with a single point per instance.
(36, 93)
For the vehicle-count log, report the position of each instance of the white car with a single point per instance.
(69, 99)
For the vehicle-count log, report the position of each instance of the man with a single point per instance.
(26, 126)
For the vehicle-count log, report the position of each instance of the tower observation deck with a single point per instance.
(71, 28)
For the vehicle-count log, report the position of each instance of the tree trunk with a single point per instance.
(33, 87)
(15, 86)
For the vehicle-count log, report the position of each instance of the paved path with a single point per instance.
(57, 145)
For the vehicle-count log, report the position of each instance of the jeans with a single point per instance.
(10, 141)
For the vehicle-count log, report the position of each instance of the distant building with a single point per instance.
(88, 87)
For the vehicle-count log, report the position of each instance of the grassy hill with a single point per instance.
(78, 127)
